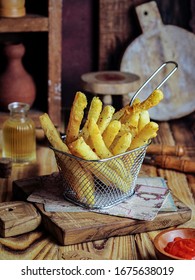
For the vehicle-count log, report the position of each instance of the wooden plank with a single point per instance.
(28, 23)
(33, 245)
(74, 228)
(18, 217)
(54, 60)
(114, 30)
(118, 25)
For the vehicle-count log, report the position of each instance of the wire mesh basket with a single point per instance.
(100, 183)
(106, 182)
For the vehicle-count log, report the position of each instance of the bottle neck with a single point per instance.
(19, 115)
(18, 110)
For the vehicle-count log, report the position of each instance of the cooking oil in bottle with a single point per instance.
(18, 134)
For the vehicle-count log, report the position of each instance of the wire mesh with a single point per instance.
(100, 183)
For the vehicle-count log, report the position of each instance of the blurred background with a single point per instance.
(94, 36)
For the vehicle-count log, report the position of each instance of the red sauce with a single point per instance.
(182, 248)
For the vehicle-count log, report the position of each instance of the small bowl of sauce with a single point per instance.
(176, 244)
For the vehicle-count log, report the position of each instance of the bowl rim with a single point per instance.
(160, 234)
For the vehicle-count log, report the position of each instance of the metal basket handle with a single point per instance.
(155, 73)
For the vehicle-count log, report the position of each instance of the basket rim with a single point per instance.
(100, 160)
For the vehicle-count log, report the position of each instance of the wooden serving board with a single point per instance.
(17, 217)
(157, 44)
(73, 228)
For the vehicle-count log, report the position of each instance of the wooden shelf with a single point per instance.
(51, 24)
(28, 23)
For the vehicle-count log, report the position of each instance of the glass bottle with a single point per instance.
(18, 134)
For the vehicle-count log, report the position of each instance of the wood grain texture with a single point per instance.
(33, 245)
(109, 82)
(29, 23)
(165, 43)
(54, 60)
(18, 217)
(41, 245)
(73, 228)
(118, 25)
(45, 27)
(114, 30)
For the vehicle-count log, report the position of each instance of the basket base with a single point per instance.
(100, 201)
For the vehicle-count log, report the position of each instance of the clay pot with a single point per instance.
(12, 8)
(16, 84)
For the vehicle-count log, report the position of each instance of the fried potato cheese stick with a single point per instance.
(94, 112)
(52, 134)
(103, 152)
(144, 119)
(148, 132)
(122, 144)
(110, 132)
(79, 179)
(104, 172)
(105, 117)
(153, 99)
(76, 117)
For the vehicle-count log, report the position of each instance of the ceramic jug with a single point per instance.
(16, 84)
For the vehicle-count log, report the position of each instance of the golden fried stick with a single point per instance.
(125, 129)
(80, 149)
(123, 111)
(80, 180)
(94, 112)
(105, 117)
(122, 144)
(110, 132)
(148, 132)
(144, 119)
(72, 171)
(99, 147)
(118, 114)
(98, 143)
(52, 134)
(153, 99)
(132, 122)
(76, 117)
(103, 170)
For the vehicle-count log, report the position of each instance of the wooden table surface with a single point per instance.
(41, 245)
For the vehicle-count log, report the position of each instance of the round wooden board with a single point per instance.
(160, 43)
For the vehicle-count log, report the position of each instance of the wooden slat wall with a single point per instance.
(55, 60)
(118, 25)
(114, 30)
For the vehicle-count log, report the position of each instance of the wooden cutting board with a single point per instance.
(72, 228)
(157, 44)
(18, 217)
